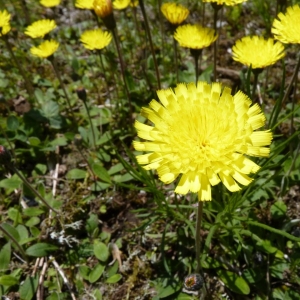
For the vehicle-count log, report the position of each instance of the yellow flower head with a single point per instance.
(4, 22)
(174, 13)
(50, 3)
(226, 2)
(40, 28)
(84, 4)
(194, 36)
(121, 4)
(103, 8)
(95, 39)
(287, 27)
(257, 52)
(202, 134)
(45, 49)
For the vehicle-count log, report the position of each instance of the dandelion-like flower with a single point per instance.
(202, 134)
(174, 13)
(50, 3)
(287, 27)
(257, 52)
(84, 4)
(226, 2)
(4, 22)
(121, 4)
(194, 36)
(103, 8)
(40, 28)
(45, 49)
(95, 39)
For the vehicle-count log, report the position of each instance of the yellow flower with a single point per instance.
(84, 4)
(226, 2)
(194, 36)
(4, 22)
(40, 28)
(257, 52)
(174, 13)
(203, 134)
(45, 49)
(50, 3)
(95, 39)
(121, 4)
(287, 27)
(103, 8)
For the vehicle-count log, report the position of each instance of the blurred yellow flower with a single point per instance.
(4, 22)
(40, 28)
(226, 2)
(95, 39)
(202, 134)
(174, 13)
(287, 27)
(45, 49)
(257, 52)
(194, 36)
(84, 4)
(121, 4)
(103, 8)
(50, 3)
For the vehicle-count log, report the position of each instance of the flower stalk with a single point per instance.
(198, 235)
(28, 84)
(141, 2)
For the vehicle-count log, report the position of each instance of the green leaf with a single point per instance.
(113, 279)
(101, 172)
(266, 247)
(28, 288)
(115, 169)
(5, 254)
(123, 178)
(14, 215)
(278, 210)
(32, 221)
(12, 123)
(96, 273)
(101, 251)
(11, 230)
(8, 280)
(40, 249)
(163, 292)
(234, 282)
(92, 223)
(99, 186)
(32, 211)
(76, 174)
(84, 272)
(34, 141)
(11, 183)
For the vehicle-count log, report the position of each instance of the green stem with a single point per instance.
(104, 72)
(14, 241)
(36, 193)
(141, 2)
(116, 39)
(274, 230)
(56, 71)
(198, 235)
(254, 86)
(91, 124)
(176, 60)
(286, 95)
(196, 53)
(28, 84)
(216, 8)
